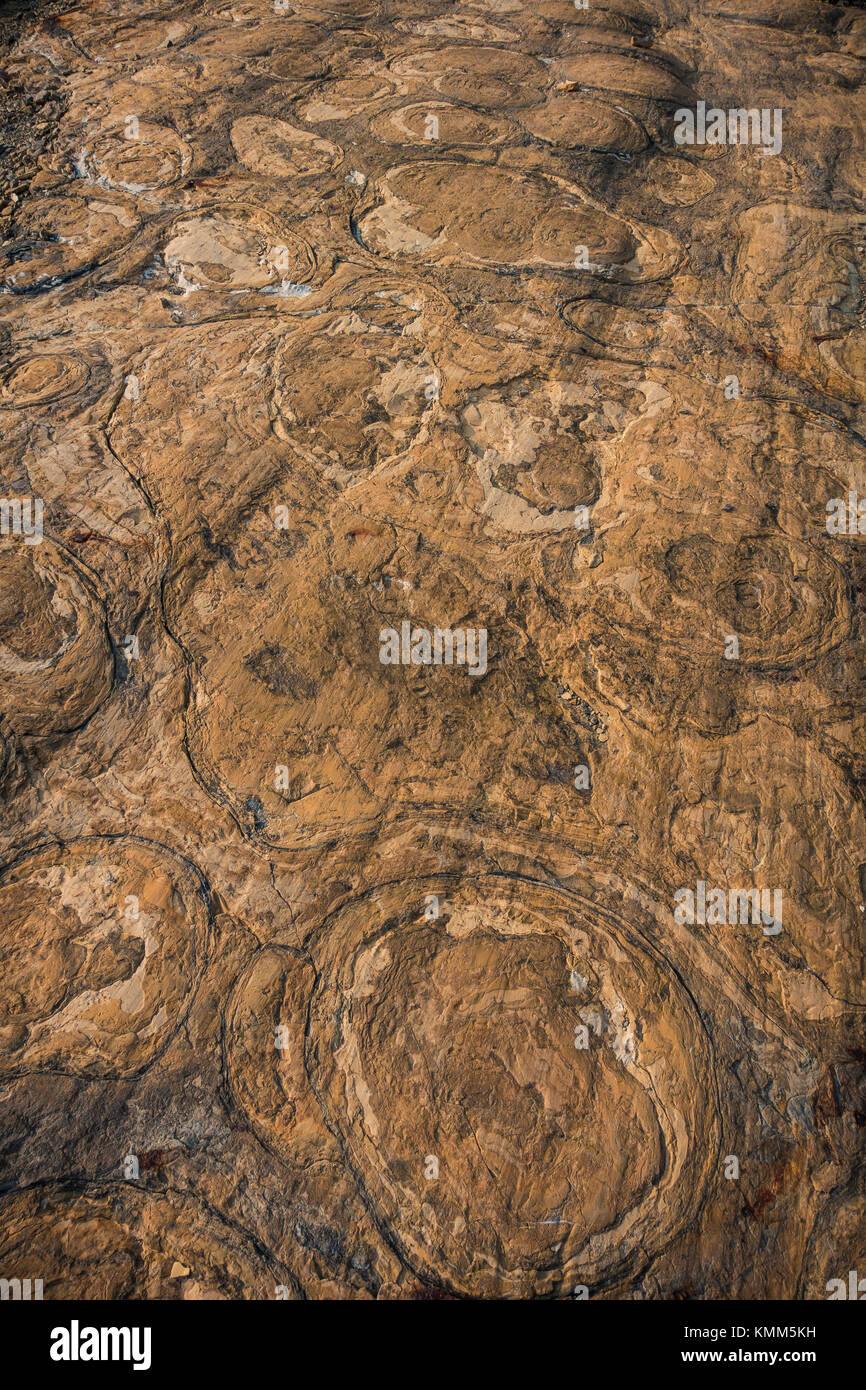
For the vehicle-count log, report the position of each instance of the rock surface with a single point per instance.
(326, 977)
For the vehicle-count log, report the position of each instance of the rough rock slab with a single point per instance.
(329, 969)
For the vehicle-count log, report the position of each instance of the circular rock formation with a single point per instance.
(62, 235)
(340, 394)
(156, 158)
(784, 600)
(56, 660)
(523, 1086)
(652, 604)
(450, 212)
(442, 123)
(269, 715)
(531, 460)
(279, 150)
(131, 39)
(345, 96)
(628, 334)
(236, 246)
(495, 77)
(39, 379)
(575, 120)
(103, 942)
(624, 74)
(293, 65)
(349, 401)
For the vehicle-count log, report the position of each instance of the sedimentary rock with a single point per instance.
(417, 583)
